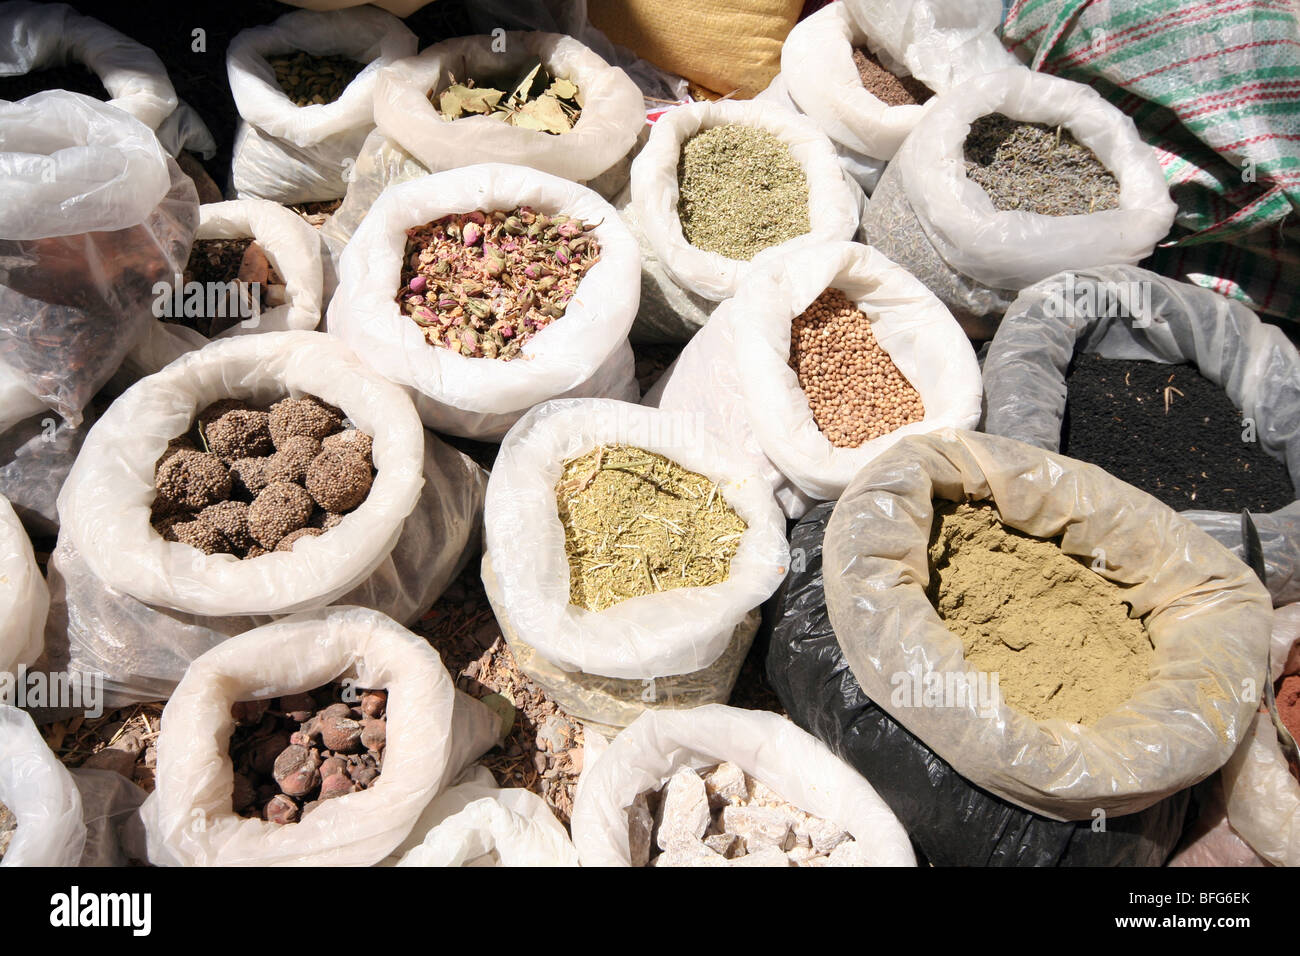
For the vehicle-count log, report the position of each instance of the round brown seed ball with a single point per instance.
(279, 509)
(166, 525)
(303, 416)
(339, 480)
(173, 446)
(291, 461)
(292, 538)
(191, 480)
(240, 433)
(249, 476)
(217, 409)
(199, 534)
(351, 439)
(325, 520)
(231, 519)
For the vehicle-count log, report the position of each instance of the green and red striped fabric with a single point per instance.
(1214, 87)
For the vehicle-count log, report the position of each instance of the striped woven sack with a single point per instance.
(1215, 88)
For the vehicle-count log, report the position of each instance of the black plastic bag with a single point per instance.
(951, 821)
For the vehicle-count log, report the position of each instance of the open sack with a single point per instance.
(24, 598)
(735, 372)
(432, 733)
(833, 201)
(38, 36)
(476, 823)
(1255, 364)
(612, 108)
(139, 609)
(942, 227)
(766, 746)
(1207, 616)
(941, 42)
(94, 214)
(582, 353)
(41, 794)
(670, 649)
(293, 249)
(294, 154)
(952, 821)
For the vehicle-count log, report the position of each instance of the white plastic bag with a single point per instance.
(643, 639)
(16, 403)
(110, 806)
(766, 746)
(738, 375)
(432, 731)
(942, 227)
(38, 36)
(40, 793)
(289, 153)
(833, 201)
(821, 79)
(1263, 797)
(475, 823)
(24, 598)
(293, 248)
(138, 609)
(583, 353)
(36, 456)
(940, 42)
(1206, 613)
(93, 213)
(612, 108)
(1255, 364)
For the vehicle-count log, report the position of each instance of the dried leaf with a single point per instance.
(563, 89)
(459, 100)
(543, 114)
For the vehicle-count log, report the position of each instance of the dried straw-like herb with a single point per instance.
(637, 523)
(741, 191)
(1036, 168)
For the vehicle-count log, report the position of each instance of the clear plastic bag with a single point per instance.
(36, 456)
(833, 199)
(24, 598)
(765, 412)
(612, 108)
(766, 746)
(644, 639)
(293, 154)
(138, 609)
(1255, 364)
(110, 805)
(583, 353)
(433, 732)
(1206, 613)
(93, 215)
(40, 793)
(37, 36)
(932, 220)
(475, 823)
(293, 248)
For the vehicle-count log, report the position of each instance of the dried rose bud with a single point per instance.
(472, 234)
(419, 284)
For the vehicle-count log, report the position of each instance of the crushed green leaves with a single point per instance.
(636, 523)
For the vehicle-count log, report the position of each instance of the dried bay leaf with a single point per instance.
(545, 114)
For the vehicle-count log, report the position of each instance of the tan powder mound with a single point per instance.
(1056, 633)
